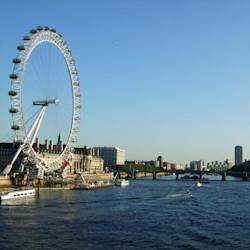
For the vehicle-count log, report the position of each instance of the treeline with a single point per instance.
(139, 167)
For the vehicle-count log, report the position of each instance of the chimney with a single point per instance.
(37, 143)
(46, 144)
(50, 145)
(97, 152)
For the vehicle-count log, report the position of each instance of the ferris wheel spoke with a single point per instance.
(37, 76)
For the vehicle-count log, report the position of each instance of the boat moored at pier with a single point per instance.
(94, 185)
(18, 194)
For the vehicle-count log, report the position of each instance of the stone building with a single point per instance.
(82, 159)
(112, 156)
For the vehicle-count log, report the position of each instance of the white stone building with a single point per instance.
(112, 156)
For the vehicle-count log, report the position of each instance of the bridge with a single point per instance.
(134, 174)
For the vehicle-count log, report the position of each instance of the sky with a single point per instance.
(165, 77)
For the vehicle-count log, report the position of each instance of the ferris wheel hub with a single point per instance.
(46, 102)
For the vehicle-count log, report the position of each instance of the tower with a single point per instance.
(238, 155)
(160, 161)
(59, 143)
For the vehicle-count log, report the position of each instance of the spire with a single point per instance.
(59, 141)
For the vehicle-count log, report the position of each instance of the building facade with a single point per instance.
(160, 161)
(112, 156)
(219, 165)
(81, 159)
(198, 165)
(84, 160)
(238, 155)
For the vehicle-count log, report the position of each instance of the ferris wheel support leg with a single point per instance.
(33, 130)
(37, 126)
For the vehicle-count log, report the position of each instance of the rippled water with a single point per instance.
(144, 215)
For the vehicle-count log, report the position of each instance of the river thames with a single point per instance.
(144, 215)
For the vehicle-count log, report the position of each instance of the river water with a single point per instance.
(146, 214)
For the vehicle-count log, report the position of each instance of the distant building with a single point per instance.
(59, 143)
(135, 162)
(238, 155)
(198, 165)
(193, 165)
(112, 156)
(160, 161)
(167, 165)
(219, 165)
(177, 166)
(228, 163)
(201, 165)
(156, 163)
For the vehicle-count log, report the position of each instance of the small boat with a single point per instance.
(204, 180)
(122, 182)
(17, 194)
(199, 184)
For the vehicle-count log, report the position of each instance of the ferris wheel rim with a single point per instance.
(37, 36)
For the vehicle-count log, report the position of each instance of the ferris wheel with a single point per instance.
(24, 135)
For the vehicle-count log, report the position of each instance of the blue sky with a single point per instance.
(163, 77)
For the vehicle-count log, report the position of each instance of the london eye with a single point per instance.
(25, 133)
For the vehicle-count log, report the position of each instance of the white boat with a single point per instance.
(121, 182)
(17, 194)
(199, 184)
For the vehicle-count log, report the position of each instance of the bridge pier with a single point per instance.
(200, 175)
(134, 175)
(245, 176)
(223, 176)
(176, 176)
(154, 175)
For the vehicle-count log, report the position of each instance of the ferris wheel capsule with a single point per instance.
(33, 31)
(12, 93)
(13, 76)
(13, 110)
(39, 28)
(21, 47)
(15, 127)
(26, 38)
(16, 60)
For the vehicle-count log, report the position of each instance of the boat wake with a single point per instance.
(177, 196)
